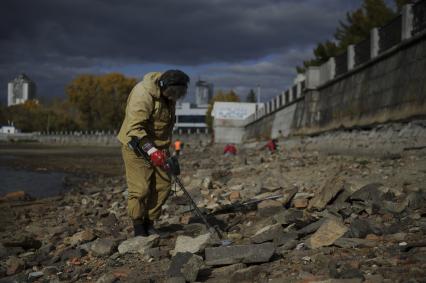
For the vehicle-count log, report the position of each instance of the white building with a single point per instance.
(230, 118)
(9, 130)
(190, 118)
(20, 90)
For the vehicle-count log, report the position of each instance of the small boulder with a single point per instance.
(185, 265)
(331, 230)
(103, 247)
(189, 244)
(268, 208)
(138, 244)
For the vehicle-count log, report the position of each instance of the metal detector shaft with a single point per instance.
(197, 210)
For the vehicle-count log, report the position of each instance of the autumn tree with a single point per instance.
(229, 96)
(100, 100)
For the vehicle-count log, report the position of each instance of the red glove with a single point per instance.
(158, 158)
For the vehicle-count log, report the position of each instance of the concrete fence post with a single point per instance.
(290, 95)
(374, 40)
(332, 68)
(407, 21)
(351, 57)
(312, 77)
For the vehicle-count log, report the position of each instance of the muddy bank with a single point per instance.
(337, 218)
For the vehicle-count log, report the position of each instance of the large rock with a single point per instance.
(81, 237)
(268, 233)
(328, 191)
(331, 230)
(138, 244)
(189, 244)
(103, 247)
(268, 208)
(239, 253)
(185, 265)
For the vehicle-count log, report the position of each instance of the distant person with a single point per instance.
(230, 150)
(146, 135)
(271, 145)
(178, 147)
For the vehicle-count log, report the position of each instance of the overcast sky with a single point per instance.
(235, 44)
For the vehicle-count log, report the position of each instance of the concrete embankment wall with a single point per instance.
(391, 87)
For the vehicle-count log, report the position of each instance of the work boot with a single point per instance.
(150, 229)
(140, 229)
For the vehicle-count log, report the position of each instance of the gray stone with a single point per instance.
(225, 271)
(35, 275)
(267, 233)
(331, 230)
(268, 208)
(50, 270)
(185, 265)
(328, 191)
(359, 229)
(311, 228)
(349, 243)
(177, 279)
(285, 238)
(103, 247)
(138, 244)
(368, 193)
(239, 253)
(249, 274)
(288, 246)
(189, 244)
(107, 278)
(288, 216)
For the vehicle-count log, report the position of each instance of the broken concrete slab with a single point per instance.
(103, 247)
(349, 243)
(267, 233)
(138, 244)
(331, 230)
(185, 265)
(327, 192)
(268, 208)
(190, 244)
(225, 271)
(239, 253)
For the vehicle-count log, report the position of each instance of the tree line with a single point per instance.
(355, 28)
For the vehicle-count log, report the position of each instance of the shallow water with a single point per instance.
(37, 184)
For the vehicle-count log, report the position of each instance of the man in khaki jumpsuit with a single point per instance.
(149, 119)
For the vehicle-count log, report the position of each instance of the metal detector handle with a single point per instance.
(197, 210)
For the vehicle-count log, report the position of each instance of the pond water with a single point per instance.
(36, 184)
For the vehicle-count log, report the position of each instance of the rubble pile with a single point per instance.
(291, 216)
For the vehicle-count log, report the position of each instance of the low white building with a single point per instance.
(230, 118)
(9, 130)
(190, 118)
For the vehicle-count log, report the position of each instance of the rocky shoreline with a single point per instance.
(333, 218)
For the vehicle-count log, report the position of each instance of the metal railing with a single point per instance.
(341, 63)
(362, 52)
(419, 17)
(390, 34)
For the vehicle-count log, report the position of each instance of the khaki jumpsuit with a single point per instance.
(148, 114)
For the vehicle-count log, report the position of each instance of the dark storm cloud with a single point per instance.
(52, 40)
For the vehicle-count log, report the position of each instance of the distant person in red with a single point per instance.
(229, 150)
(272, 145)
